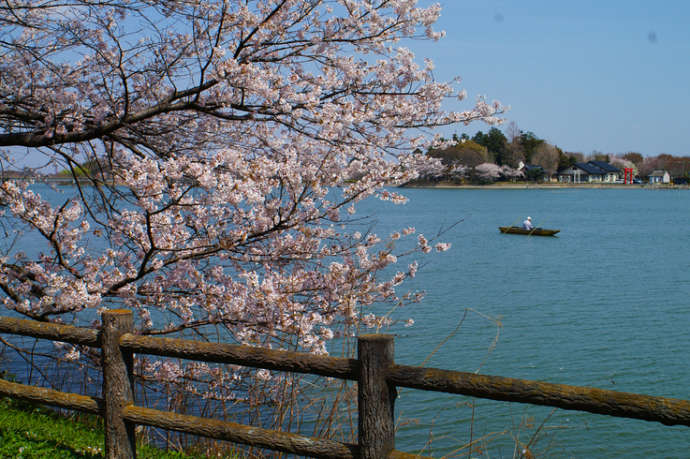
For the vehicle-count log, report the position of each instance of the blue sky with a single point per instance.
(610, 76)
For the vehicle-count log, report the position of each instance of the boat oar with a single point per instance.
(533, 230)
(513, 224)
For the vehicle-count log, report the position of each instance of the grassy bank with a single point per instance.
(30, 431)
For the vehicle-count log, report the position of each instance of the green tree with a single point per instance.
(529, 143)
(497, 145)
(94, 167)
(479, 138)
(77, 170)
(468, 153)
(495, 142)
(565, 160)
(534, 174)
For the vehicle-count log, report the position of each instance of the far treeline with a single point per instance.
(493, 156)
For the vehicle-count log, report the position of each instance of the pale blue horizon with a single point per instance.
(586, 76)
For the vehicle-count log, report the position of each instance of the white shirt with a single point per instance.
(527, 224)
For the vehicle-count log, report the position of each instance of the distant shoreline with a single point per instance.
(547, 186)
(69, 181)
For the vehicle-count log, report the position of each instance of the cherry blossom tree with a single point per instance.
(218, 150)
(457, 172)
(622, 163)
(488, 172)
(510, 173)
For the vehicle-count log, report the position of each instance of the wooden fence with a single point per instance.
(375, 371)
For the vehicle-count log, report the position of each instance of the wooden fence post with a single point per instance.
(376, 399)
(117, 384)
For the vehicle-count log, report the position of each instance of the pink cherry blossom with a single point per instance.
(219, 151)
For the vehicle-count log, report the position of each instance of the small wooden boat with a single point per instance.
(532, 232)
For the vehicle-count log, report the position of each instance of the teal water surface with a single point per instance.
(604, 304)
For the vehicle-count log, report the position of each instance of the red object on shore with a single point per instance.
(628, 171)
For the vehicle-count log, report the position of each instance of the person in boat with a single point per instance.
(527, 224)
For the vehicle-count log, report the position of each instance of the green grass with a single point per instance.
(29, 431)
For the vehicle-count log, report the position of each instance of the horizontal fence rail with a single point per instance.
(52, 397)
(269, 359)
(668, 411)
(46, 330)
(239, 433)
(374, 370)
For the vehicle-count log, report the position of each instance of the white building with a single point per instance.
(590, 172)
(659, 176)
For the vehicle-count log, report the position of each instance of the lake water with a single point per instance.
(605, 304)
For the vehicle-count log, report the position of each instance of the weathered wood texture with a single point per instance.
(52, 397)
(239, 433)
(375, 371)
(117, 384)
(375, 397)
(46, 330)
(395, 454)
(667, 411)
(299, 362)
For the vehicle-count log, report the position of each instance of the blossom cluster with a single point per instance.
(225, 145)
